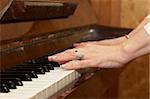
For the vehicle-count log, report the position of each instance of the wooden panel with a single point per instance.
(107, 11)
(133, 12)
(132, 81)
(23, 11)
(83, 16)
(3, 3)
(121, 13)
(98, 87)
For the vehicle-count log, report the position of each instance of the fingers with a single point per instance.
(63, 57)
(77, 64)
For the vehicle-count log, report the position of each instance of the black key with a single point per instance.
(34, 66)
(50, 66)
(10, 84)
(17, 81)
(43, 60)
(46, 66)
(23, 77)
(37, 70)
(54, 64)
(30, 61)
(4, 88)
(32, 74)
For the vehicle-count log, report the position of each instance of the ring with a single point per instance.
(78, 56)
(127, 36)
(148, 17)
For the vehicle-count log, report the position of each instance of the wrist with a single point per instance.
(136, 44)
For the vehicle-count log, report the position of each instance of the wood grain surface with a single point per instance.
(82, 16)
(121, 13)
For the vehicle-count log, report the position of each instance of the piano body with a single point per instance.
(29, 37)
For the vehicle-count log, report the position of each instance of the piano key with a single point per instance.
(37, 70)
(23, 77)
(50, 66)
(17, 81)
(4, 88)
(45, 86)
(54, 64)
(9, 83)
(32, 74)
(43, 60)
(46, 69)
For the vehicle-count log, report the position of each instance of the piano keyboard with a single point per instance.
(44, 83)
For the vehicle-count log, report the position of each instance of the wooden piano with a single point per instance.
(30, 30)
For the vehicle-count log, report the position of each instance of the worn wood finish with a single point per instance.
(11, 32)
(3, 3)
(22, 11)
(82, 16)
(131, 81)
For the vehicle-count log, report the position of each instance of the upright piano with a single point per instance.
(30, 31)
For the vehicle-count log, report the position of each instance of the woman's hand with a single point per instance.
(94, 56)
(108, 53)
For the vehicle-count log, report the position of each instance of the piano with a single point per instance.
(31, 30)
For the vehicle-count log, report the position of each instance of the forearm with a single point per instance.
(123, 38)
(138, 45)
(138, 27)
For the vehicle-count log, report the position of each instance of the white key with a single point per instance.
(44, 86)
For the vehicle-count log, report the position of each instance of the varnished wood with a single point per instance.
(3, 3)
(131, 81)
(83, 16)
(22, 11)
(111, 15)
(121, 13)
(17, 33)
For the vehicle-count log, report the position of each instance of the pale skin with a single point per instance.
(112, 53)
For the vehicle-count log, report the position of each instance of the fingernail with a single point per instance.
(51, 57)
(75, 44)
(63, 66)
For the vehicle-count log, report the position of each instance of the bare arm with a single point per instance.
(109, 55)
(116, 40)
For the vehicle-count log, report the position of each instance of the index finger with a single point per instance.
(63, 57)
